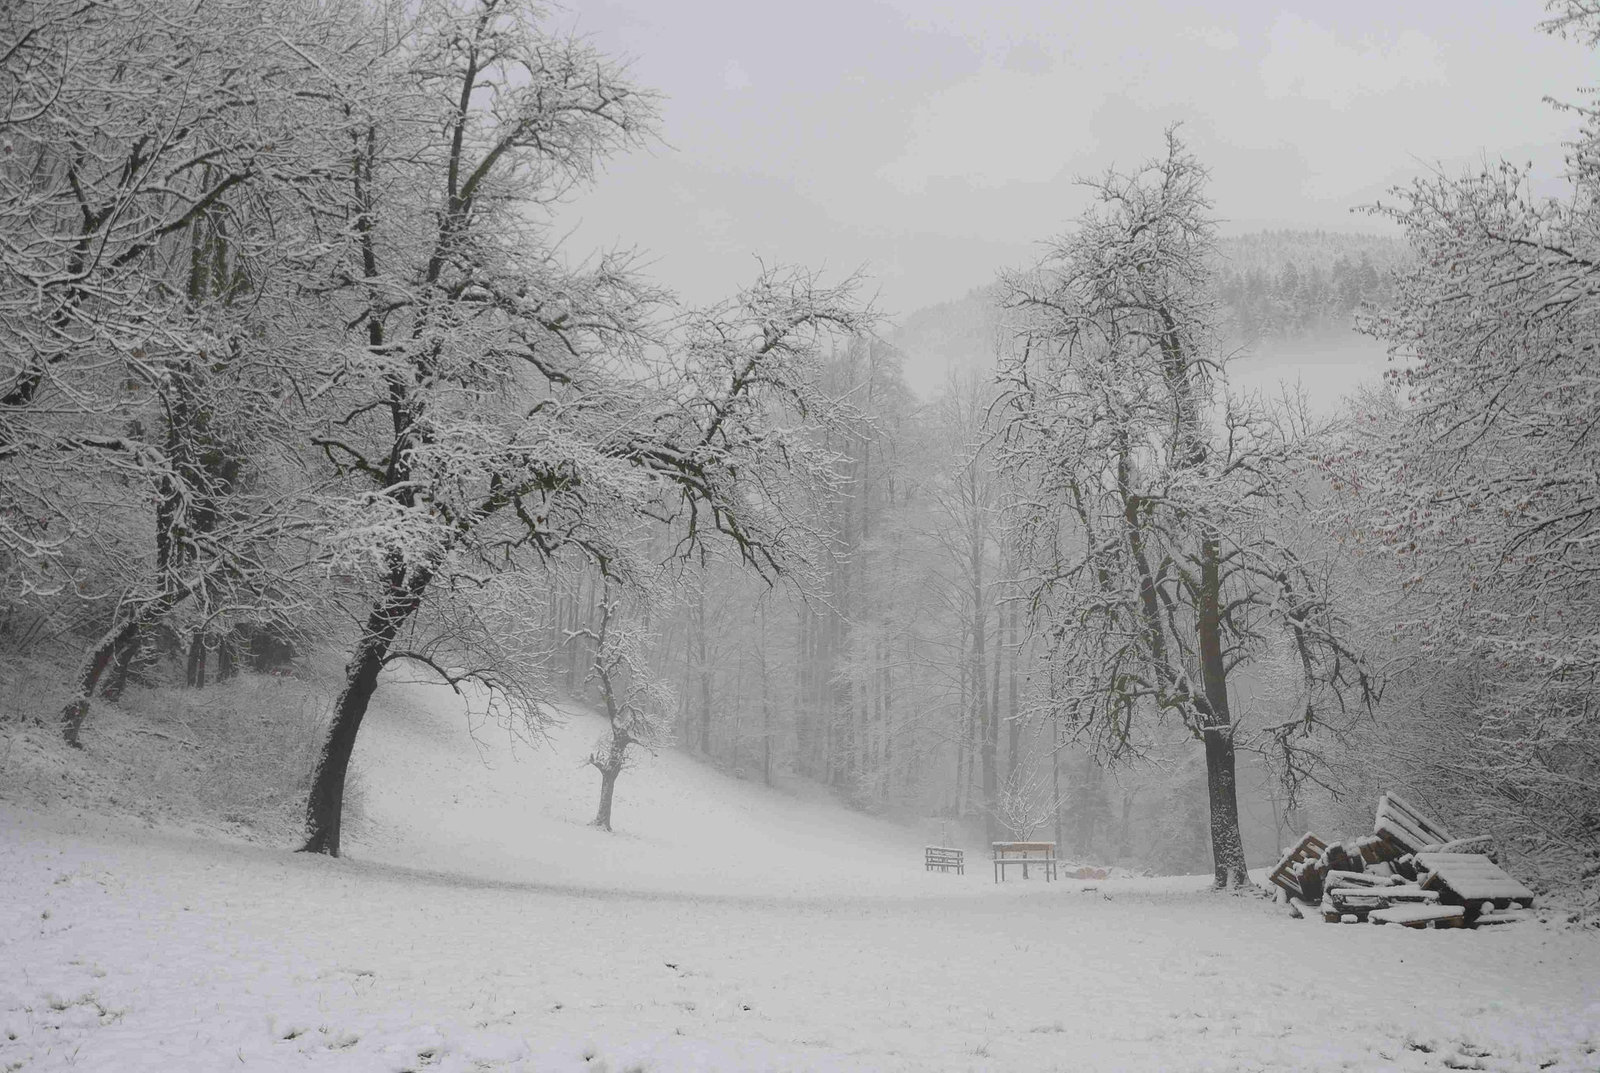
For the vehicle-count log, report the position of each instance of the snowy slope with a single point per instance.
(443, 792)
(478, 924)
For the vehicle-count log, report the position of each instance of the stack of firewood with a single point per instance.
(1409, 871)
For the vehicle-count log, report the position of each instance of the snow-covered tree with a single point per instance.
(637, 705)
(1478, 485)
(153, 175)
(500, 404)
(1147, 502)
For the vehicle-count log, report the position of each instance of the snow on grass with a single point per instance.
(233, 759)
(478, 924)
(490, 804)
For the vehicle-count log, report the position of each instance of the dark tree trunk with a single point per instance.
(703, 666)
(194, 674)
(122, 667)
(1227, 845)
(1125, 827)
(226, 668)
(1013, 711)
(963, 742)
(94, 665)
(766, 705)
(325, 805)
(1055, 779)
(120, 637)
(608, 787)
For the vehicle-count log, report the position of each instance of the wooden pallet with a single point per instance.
(1402, 826)
(1420, 916)
(1305, 853)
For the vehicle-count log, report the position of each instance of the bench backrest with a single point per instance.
(1024, 850)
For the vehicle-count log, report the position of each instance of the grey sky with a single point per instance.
(934, 142)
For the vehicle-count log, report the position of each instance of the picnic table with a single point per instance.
(1472, 880)
(1042, 854)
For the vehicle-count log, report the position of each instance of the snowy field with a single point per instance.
(476, 923)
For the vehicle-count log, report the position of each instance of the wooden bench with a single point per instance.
(944, 859)
(1042, 854)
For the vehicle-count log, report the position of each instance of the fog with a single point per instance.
(934, 143)
(710, 536)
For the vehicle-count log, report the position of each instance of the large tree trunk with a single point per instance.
(194, 674)
(116, 640)
(121, 668)
(984, 718)
(325, 804)
(703, 667)
(766, 705)
(1055, 779)
(608, 786)
(226, 667)
(1013, 712)
(94, 665)
(1227, 845)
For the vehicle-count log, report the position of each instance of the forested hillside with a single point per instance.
(1272, 286)
(297, 378)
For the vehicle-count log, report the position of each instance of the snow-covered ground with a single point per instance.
(476, 923)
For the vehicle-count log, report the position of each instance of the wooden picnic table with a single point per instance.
(1472, 880)
(1025, 854)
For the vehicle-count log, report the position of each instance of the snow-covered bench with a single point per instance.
(1042, 854)
(944, 859)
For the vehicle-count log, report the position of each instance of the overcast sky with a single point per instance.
(934, 140)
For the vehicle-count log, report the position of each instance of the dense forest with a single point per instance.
(296, 378)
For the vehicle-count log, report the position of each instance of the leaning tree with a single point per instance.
(497, 405)
(1153, 510)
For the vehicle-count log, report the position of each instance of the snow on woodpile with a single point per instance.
(1411, 871)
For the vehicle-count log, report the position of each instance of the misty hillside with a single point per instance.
(634, 537)
(1293, 293)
